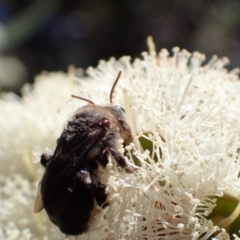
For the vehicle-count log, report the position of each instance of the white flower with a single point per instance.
(186, 120)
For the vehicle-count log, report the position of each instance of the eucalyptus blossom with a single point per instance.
(185, 118)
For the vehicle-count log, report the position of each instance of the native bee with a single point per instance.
(70, 184)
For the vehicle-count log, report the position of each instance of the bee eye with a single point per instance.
(119, 108)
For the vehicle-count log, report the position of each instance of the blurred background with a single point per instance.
(37, 35)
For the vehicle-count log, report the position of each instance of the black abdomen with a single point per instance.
(75, 218)
(67, 201)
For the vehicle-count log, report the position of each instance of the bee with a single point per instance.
(70, 185)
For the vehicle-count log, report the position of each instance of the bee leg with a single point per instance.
(45, 158)
(84, 178)
(99, 192)
(120, 159)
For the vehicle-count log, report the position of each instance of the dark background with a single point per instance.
(50, 35)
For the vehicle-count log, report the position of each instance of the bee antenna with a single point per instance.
(114, 85)
(84, 99)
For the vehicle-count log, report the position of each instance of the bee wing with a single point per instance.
(79, 144)
(58, 182)
(38, 204)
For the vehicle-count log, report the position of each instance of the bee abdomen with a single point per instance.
(74, 219)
